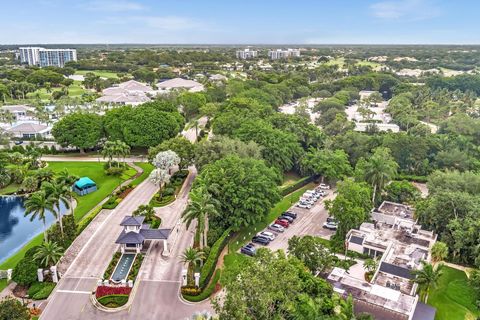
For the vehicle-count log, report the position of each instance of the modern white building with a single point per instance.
(283, 54)
(246, 54)
(42, 57)
(29, 130)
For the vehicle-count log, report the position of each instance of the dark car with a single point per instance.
(19, 142)
(282, 222)
(290, 214)
(261, 240)
(249, 250)
(285, 217)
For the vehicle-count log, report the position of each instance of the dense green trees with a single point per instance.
(180, 145)
(81, 130)
(253, 291)
(191, 103)
(246, 189)
(331, 164)
(401, 192)
(11, 308)
(350, 208)
(311, 251)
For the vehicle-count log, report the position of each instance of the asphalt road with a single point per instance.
(157, 295)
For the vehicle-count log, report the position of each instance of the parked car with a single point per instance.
(276, 227)
(249, 250)
(311, 195)
(306, 200)
(304, 205)
(330, 225)
(19, 142)
(267, 235)
(260, 240)
(290, 214)
(321, 192)
(324, 186)
(289, 219)
(282, 222)
(331, 219)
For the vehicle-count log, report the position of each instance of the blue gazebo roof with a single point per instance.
(84, 182)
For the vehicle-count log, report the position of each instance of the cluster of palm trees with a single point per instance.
(53, 192)
(117, 148)
(193, 257)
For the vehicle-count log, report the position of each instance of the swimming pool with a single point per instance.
(123, 267)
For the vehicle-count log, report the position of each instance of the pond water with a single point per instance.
(16, 229)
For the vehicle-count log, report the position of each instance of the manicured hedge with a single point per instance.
(41, 290)
(114, 300)
(297, 185)
(86, 220)
(108, 291)
(421, 179)
(208, 291)
(211, 262)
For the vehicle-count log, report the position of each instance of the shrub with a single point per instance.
(169, 191)
(114, 171)
(25, 272)
(43, 291)
(136, 267)
(114, 300)
(191, 290)
(155, 223)
(31, 252)
(86, 220)
(111, 203)
(209, 266)
(297, 185)
(107, 291)
(410, 177)
(207, 292)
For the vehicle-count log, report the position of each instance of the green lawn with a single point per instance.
(11, 188)
(290, 178)
(147, 168)
(246, 234)
(75, 90)
(94, 170)
(372, 64)
(3, 284)
(100, 73)
(453, 297)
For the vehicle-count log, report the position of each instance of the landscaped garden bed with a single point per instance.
(167, 194)
(117, 197)
(114, 300)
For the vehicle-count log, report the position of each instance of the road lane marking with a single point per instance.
(74, 291)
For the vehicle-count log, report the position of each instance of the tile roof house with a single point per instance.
(20, 111)
(130, 92)
(30, 130)
(179, 83)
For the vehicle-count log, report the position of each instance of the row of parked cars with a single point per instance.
(308, 199)
(265, 237)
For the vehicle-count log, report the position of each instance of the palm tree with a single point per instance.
(370, 265)
(379, 169)
(48, 253)
(427, 277)
(191, 256)
(37, 206)
(58, 194)
(67, 179)
(115, 148)
(201, 206)
(145, 210)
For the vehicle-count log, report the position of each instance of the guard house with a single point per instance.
(84, 186)
(135, 233)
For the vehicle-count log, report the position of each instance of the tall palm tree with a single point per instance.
(48, 253)
(192, 256)
(37, 206)
(379, 170)
(59, 194)
(201, 206)
(427, 277)
(67, 179)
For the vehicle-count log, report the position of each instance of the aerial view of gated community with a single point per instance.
(252, 160)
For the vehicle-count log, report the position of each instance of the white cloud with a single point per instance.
(405, 9)
(114, 5)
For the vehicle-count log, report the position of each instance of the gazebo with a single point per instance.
(84, 186)
(135, 233)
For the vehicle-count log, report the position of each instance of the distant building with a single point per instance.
(283, 54)
(29, 130)
(129, 92)
(179, 83)
(19, 111)
(38, 56)
(400, 245)
(246, 54)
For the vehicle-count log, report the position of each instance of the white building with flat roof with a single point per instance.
(42, 57)
(283, 54)
(246, 54)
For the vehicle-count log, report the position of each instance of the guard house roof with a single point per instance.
(155, 234)
(130, 238)
(132, 221)
(84, 182)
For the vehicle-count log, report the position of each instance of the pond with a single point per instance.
(16, 229)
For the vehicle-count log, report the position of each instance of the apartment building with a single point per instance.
(399, 244)
(42, 57)
(246, 54)
(283, 54)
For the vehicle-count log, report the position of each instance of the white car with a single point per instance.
(304, 205)
(276, 227)
(330, 225)
(308, 200)
(312, 196)
(324, 186)
(267, 235)
(323, 193)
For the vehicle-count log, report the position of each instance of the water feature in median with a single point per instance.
(16, 229)
(123, 267)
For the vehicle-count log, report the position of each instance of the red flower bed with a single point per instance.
(106, 291)
(125, 193)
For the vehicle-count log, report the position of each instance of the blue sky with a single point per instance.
(241, 21)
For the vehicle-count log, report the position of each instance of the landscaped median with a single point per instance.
(168, 193)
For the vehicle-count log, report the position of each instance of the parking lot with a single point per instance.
(308, 222)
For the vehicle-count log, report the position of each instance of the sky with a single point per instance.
(240, 21)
